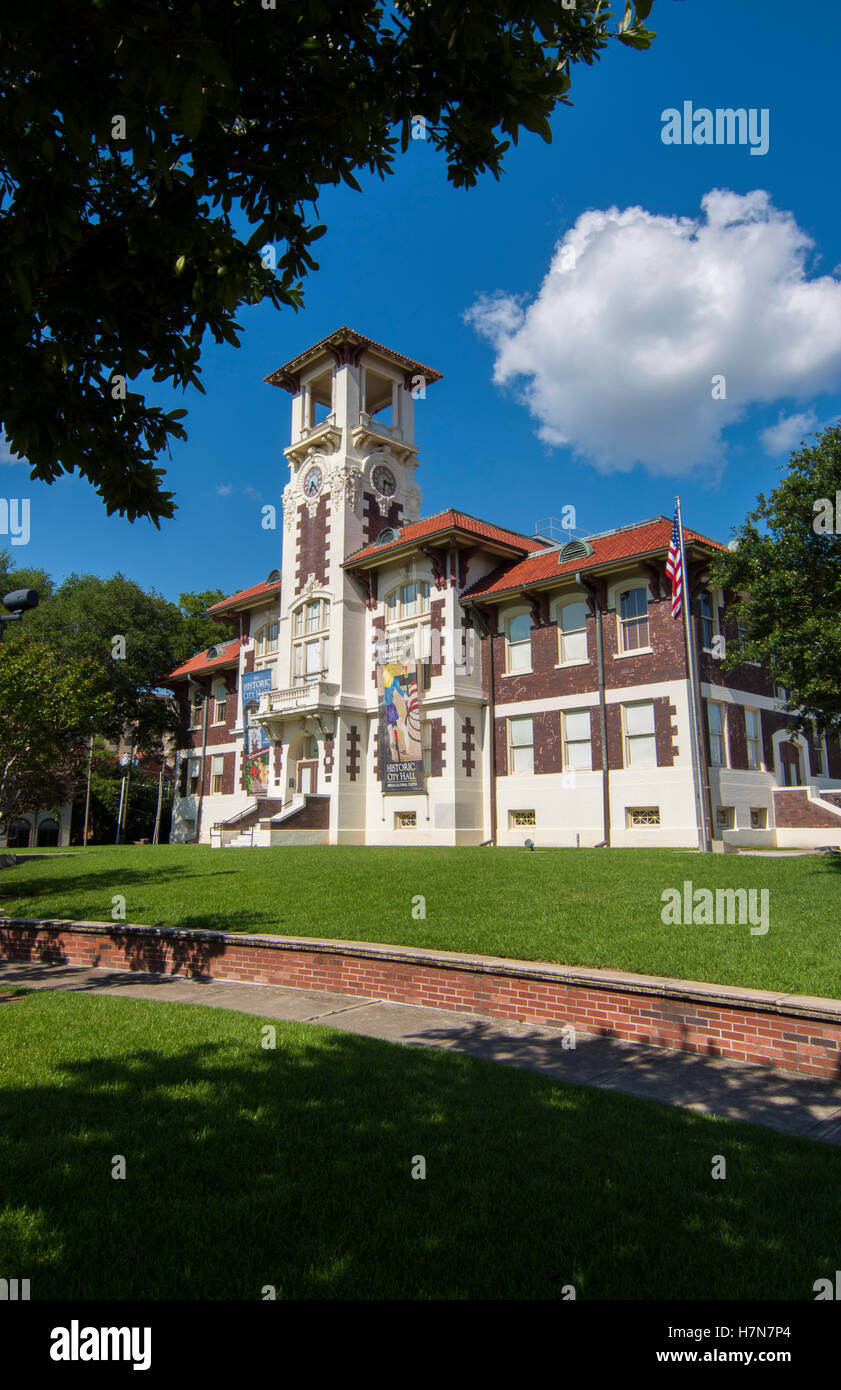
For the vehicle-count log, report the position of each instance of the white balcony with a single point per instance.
(299, 699)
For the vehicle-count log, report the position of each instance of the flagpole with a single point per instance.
(697, 742)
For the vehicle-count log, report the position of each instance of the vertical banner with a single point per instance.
(401, 745)
(256, 749)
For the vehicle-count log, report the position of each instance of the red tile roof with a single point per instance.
(228, 654)
(615, 545)
(286, 375)
(448, 521)
(244, 597)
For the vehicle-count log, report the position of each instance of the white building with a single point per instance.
(491, 721)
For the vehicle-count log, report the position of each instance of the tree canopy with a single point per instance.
(132, 637)
(786, 568)
(49, 706)
(137, 141)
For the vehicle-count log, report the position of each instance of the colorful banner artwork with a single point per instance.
(401, 744)
(256, 748)
(257, 773)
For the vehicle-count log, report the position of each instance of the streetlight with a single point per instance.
(17, 603)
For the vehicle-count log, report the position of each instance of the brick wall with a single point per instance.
(548, 752)
(311, 546)
(373, 521)
(794, 810)
(802, 1035)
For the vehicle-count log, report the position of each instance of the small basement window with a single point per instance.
(724, 817)
(518, 820)
(405, 820)
(759, 818)
(639, 817)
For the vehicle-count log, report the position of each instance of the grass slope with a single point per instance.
(247, 1167)
(580, 907)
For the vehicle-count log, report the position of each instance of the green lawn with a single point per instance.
(581, 907)
(248, 1167)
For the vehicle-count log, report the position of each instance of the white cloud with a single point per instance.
(785, 436)
(638, 313)
(224, 489)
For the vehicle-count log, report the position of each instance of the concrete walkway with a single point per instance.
(734, 1090)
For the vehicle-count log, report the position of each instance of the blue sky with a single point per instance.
(609, 360)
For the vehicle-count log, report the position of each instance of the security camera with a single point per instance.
(17, 603)
(21, 599)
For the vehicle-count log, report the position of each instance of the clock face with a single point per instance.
(383, 480)
(312, 482)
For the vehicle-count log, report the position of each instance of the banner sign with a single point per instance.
(401, 744)
(257, 773)
(255, 684)
(256, 748)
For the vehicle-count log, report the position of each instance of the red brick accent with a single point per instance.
(548, 753)
(665, 731)
(311, 545)
(437, 761)
(501, 747)
(834, 757)
(373, 521)
(329, 746)
(248, 662)
(228, 768)
(785, 1031)
(794, 810)
(353, 753)
(377, 646)
(737, 737)
(468, 746)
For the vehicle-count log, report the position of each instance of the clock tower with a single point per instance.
(352, 460)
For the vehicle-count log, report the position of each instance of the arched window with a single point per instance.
(633, 619)
(572, 632)
(265, 640)
(220, 701)
(310, 641)
(518, 642)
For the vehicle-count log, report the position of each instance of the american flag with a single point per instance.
(674, 569)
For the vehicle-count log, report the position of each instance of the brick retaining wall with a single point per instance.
(793, 1032)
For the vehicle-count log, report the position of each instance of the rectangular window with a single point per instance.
(194, 776)
(426, 741)
(752, 731)
(718, 743)
(638, 817)
(521, 820)
(221, 704)
(313, 616)
(271, 637)
(707, 622)
(405, 820)
(518, 645)
(633, 620)
(759, 818)
(640, 744)
(573, 633)
(195, 711)
(216, 773)
(576, 732)
(520, 745)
